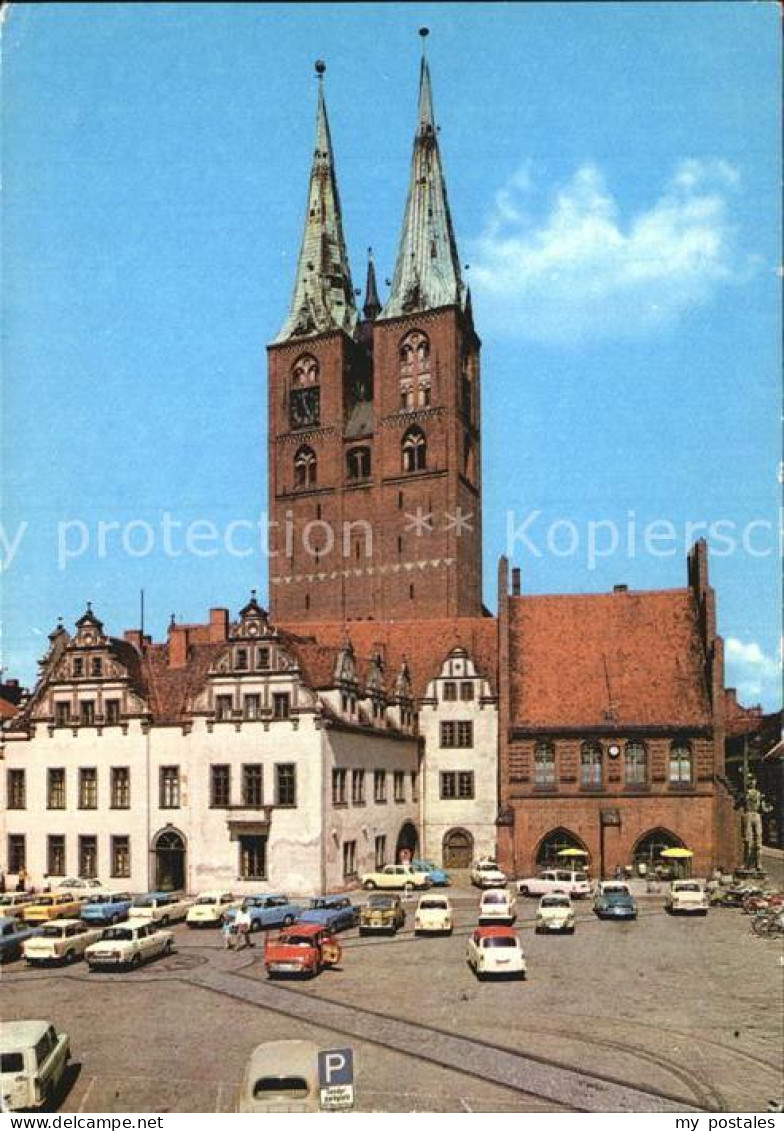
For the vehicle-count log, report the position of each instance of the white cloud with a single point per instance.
(583, 271)
(756, 675)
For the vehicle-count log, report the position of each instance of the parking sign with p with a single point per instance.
(336, 1079)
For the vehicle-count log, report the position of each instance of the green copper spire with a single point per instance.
(323, 296)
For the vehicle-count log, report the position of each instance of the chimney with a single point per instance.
(219, 625)
(134, 636)
(516, 581)
(178, 646)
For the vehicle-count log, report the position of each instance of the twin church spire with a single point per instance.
(427, 272)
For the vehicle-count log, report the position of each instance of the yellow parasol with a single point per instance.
(574, 852)
(676, 853)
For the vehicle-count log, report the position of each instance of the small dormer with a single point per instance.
(89, 630)
(253, 622)
(375, 687)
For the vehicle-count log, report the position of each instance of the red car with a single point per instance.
(304, 949)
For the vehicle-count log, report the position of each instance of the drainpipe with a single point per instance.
(148, 829)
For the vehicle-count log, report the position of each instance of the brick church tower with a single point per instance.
(374, 418)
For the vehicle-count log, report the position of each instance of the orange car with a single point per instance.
(304, 949)
(46, 907)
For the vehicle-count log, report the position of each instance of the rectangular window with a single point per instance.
(88, 789)
(121, 787)
(544, 766)
(252, 786)
(224, 705)
(241, 660)
(170, 787)
(121, 857)
(220, 787)
(400, 785)
(281, 705)
(466, 692)
(381, 851)
(339, 780)
(262, 659)
(55, 855)
(96, 666)
(88, 856)
(414, 786)
(286, 785)
(450, 691)
(457, 785)
(379, 786)
(457, 735)
(78, 667)
(253, 857)
(16, 789)
(87, 712)
(17, 853)
(55, 798)
(349, 858)
(251, 706)
(62, 714)
(112, 709)
(358, 787)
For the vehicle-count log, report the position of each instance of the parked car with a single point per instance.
(575, 884)
(209, 908)
(106, 908)
(64, 940)
(496, 950)
(13, 933)
(336, 912)
(555, 913)
(497, 905)
(304, 950)
(61, 905)
(281, 1076)
(686, 896)
(487, 874)
(267, 911)
(439, 877)
(128, 944)
(33, 1060)
(78, 883)
(382, 912)
(615, 901)
(162, 907)
(396, 876)
(433, 915)
(13, 903)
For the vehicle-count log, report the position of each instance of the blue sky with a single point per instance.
(613, 176)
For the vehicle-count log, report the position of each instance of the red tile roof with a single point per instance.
(424, 645)
(574, 657)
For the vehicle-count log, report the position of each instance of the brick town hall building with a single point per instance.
(377, 705)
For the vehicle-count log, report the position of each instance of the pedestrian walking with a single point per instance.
(2, 883)
(242, 923)
(229, 934)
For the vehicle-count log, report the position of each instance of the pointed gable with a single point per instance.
(323, 297)
(427, 273)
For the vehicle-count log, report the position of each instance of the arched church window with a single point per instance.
(414, 356)
(680, 767)
(304, 371)
(305, 468)
(414, 450)
(358, 462)
(304, 402)
(591, 765)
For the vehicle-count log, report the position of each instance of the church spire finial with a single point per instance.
(323, 297)
(427, 273)
(372, 307)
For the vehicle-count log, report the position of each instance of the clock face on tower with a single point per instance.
(304, 408)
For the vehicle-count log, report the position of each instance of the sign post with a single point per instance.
(336, 1079)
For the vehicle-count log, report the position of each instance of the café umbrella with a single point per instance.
(574, 852)
(676, 853)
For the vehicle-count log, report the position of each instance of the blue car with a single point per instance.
(12, 934)
(439, 877)
(336, 912)
(615, 905)
(106, 908)
(267, 911)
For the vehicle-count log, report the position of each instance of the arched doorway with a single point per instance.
(547, 854)
(458, 849)
(407, 841)
(169, 849)
(648, 852)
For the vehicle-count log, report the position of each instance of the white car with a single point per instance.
(210, 907)
(686, 896)
(495, 950)
(33, 1060)
(487, 874)
(63, 940)
(78, 883)
(555, 913)
(158, 907)
(575, 884)
(395, 876)
(433, 915)
(497, 905)
(128, 944)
